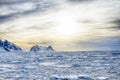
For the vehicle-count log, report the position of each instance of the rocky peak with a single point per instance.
(37, 48)
(8, 46)
(50, 48)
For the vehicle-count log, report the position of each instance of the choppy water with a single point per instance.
(97, 65)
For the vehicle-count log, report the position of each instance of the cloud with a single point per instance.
(41, 43)
(1, 33)
(8, 2)
(116, 23)
(80, 1)
(112, 24)
(39, 19)
(17, 8)
(45, 42)
(100, 43)
(37, 28)
(44, 26)
(11, 9)
(5, 18)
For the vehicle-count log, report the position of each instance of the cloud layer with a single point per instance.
(95, 23)
(13, 8)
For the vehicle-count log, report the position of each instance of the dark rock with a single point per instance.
(8, 46)
(49, 48)
(37, 48)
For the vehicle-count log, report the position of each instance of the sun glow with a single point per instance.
(66, 24)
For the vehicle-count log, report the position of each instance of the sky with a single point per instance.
(67, 25)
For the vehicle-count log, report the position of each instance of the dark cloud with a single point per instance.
(116, 23)
(16, 14)
(11, 9)
(5, 18)
(111, 24)
(8, 2)
(101, 43)
(79, 1)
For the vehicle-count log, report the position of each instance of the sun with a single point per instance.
(66, 24)
(67, 30)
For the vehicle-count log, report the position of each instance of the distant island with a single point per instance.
(10, 47)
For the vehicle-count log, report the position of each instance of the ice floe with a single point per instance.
(70, 77)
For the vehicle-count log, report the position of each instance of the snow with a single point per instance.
(2, 49)
(48, 64)
(103, 78)
(94, 65)
(70, 77)
(57, 77)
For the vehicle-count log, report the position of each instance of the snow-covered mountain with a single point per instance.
(37, 48)
(8, 46)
